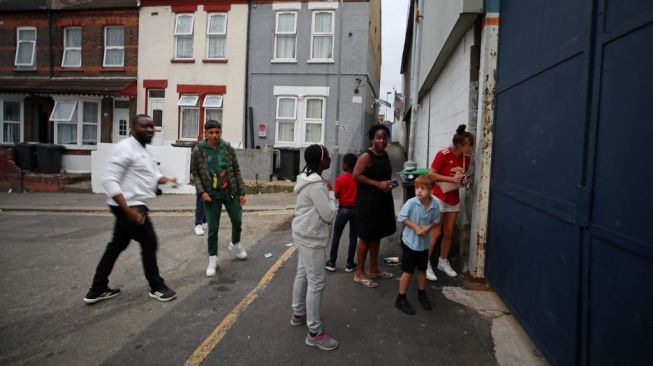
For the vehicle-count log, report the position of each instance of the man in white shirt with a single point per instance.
(130, 179)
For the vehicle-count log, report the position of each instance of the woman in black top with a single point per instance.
(375, 214)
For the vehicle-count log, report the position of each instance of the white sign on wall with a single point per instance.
(357, 99)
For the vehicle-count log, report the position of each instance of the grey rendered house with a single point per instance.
(313, 74)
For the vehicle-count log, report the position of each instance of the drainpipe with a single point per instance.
(249, 127)
(336, 148)
(483, 153)
(414, 80)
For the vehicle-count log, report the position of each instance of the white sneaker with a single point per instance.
(198, 230)
(444, 266)
(236, 248)
(205, 226)
(213, 264)
(429, 273)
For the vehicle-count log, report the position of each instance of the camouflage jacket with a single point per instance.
(199, 168)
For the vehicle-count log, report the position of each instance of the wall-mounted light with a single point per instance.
(358, 83)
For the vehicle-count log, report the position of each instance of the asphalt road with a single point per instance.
(47, 261)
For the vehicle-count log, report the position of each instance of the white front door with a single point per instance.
(155, 110)
(120, 124)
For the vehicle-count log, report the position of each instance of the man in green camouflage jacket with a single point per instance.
(216, 176)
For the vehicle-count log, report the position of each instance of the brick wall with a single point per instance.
(10, 21)
(92, 23)
(11, 176)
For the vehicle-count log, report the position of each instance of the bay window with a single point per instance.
(300, 120)
(11, 121)
(76, 122)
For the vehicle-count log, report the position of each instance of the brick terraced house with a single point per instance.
(68, 73)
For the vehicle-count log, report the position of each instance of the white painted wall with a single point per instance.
(399, 132)
(76, 163)
(156, 49)
(439, 20)
(446, 105)
(175, 162)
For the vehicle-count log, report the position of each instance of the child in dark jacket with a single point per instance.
(345, 189)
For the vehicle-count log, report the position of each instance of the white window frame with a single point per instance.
(120, 128)
(177, 35)
(185, 102)
(217, 104)
(294, 111)
(66, 48)
(188, 100)
(97, 124)
(286, 119)
(72, 112)
(18, 43)
(301, 94)
(153, 103)
(216, 34)
(322, 34)
(307, 120)
(122, 48)
(2, 120)
(208, 106)
(284, 34)
(77, 118)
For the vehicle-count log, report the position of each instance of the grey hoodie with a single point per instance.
(314, 212)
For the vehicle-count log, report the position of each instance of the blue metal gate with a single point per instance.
(571, 191)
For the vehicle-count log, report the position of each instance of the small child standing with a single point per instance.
(419, 214)
(314, 213)
(345, 189)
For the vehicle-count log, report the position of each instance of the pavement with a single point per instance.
(51, 243)
(90, 202)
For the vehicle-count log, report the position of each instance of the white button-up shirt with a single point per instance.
(132, 171)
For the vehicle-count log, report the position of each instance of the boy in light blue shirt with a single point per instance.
(419, 214)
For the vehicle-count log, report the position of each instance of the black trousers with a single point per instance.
(123, 232)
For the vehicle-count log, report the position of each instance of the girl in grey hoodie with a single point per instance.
(314, 213)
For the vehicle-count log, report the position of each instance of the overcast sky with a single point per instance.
(393, 31)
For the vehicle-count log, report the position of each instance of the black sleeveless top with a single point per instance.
(375, 213)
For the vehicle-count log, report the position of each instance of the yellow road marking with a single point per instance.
(221, 330)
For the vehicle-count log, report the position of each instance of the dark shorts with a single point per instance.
(411, 259)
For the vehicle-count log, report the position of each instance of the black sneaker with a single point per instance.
(93, 296)
(165, 294)
(402, 304)
(331, 267)
(351, 267)
(424, 300)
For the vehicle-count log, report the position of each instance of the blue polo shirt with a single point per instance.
(414, 211)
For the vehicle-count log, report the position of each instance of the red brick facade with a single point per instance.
(49, 45)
